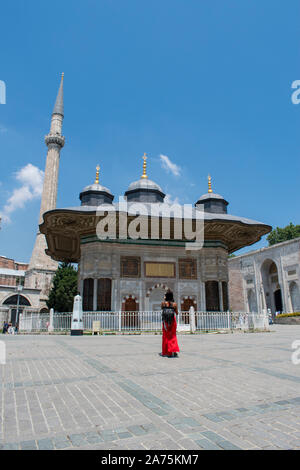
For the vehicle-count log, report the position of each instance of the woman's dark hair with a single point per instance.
(169, 296)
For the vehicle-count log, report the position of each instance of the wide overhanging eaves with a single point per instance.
(64, 228)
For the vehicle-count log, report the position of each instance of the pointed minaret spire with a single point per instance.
(59, 103)
(42, 267)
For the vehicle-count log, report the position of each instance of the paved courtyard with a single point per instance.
(225, 391)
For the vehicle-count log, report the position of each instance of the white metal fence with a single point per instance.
(143, 321)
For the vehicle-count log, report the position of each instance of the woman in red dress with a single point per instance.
(170, 346)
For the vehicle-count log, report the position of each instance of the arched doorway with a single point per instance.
(13, 301)
(155, 295)
(295, 296)
(212, 296)
(278, 300)
(130, 305)
(186, 304)
(272, 298)
(44, 310)
(130, 318)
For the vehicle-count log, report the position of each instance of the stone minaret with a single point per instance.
(42, 267)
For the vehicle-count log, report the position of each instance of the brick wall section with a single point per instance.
(8, 281)
(235, 286)
(9, 263)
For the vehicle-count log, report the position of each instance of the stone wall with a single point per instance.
(256, 278)
(235, 286)
(103, 260)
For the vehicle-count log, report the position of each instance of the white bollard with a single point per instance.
(192, 319)
(77, 317)
(51, 327)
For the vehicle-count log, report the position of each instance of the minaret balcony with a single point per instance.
(55, 139)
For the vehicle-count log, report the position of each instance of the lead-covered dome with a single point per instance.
(95, 194)
(212, 202)
(144, 190)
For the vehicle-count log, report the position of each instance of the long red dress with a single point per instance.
(169, 339)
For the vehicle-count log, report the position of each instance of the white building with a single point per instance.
(268, 278)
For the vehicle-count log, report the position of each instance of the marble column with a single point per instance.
(221, 305)
(95, 294)
(202, 305)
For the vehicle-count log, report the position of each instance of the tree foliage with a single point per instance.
(279, 235)
(64, 288)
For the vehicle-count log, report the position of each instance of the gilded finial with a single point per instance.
(209, 184)
(97, 174)
(144, 166)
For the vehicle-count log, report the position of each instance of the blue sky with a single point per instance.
(206, 83)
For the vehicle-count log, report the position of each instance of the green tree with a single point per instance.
(279, 235)
(64, 288)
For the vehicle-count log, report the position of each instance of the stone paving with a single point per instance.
(224, 391)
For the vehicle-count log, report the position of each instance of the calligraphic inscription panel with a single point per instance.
(160, 269)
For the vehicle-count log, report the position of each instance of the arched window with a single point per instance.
(13, 300)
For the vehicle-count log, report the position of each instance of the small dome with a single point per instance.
(144, 183)
(144, 190)
(96, 187)
(212, 202)
(210, 196)
(95, 194)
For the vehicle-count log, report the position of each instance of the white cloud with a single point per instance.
(31, 179)
(170, 166)
(170, 200)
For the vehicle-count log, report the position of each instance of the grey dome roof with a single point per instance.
(95, 194)
(210, 196)
(144, 183)
(96, 187)
(212, 202)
